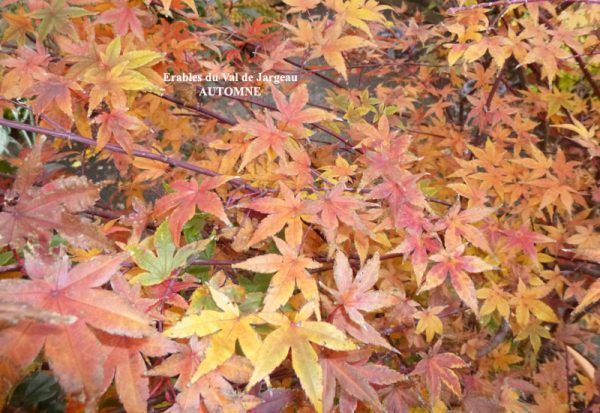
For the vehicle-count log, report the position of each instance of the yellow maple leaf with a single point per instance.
(225, 328)
(527, 301)
(357, 12)
(331, 45)
(290, 270)
(297, 335)
(429, 322)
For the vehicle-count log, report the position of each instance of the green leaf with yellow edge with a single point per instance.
(158, 267)
(298, 335)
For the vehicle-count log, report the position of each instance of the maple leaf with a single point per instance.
(456, 265)
(117, 124)
(215, 388)
(456, 226)
(400, 398)
(353, 296)
(377, 137)
(124, 19)
(586, 387)
(299, 167)
(547, 54)
(73, 350)
(534, 332)
(56, 17)
(26, 68)
(496, 46)
(402, 194)
(290, 270)
(496, 299)
(342, 171)
(55, 89)
(297, 335)
(268, 139)
(291, 112)
(333, 208)
(429, 322)
(118, 71)
(300, 6)
(187, 196)
(159, 267)
(585, 137)
(438, 369)
(523, 239)
(304, 31)
(332, 44)
(126, 363)
(418, 245)
(281, 212)
(36, 211)
(19, 24)
(357, 12)
(554, 189)
(527, 300)
(354, 375)
(502, 358)
(224, 329)
(125, 355)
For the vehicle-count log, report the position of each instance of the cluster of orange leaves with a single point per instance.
(410, 227)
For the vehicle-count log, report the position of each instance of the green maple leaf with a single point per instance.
(158, 267)
(56, 18)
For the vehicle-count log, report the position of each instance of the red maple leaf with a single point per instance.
(186, 197)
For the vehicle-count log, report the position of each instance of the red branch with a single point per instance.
(117, 149)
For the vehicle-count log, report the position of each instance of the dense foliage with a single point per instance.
(410, 226)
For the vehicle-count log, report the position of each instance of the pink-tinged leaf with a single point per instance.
(454, 264)
(72, 349)
(355, 297)
(275, 400)
(76, 358)
(438, 369)
(32, 212)
(125, 362)
(355, 377)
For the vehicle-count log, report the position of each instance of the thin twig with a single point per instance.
(116, 148)
(495, 341)
(454, 10)
(9, 268)
(318, 126)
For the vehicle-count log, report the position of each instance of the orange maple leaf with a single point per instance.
(290, 270)
(72, 348)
